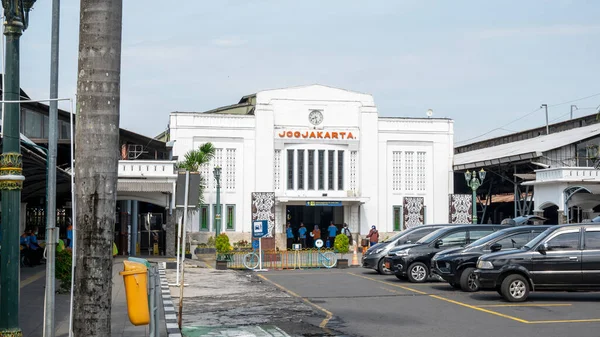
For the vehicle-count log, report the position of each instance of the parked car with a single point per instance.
(412, 261)
(373, 258)
(563, 258)
(456, 265)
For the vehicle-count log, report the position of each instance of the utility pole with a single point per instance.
(51, 232)
(573, 107)
(16, 19)
(96, 163)
(547, 128)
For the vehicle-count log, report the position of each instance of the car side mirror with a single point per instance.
(496, 247)
(439, 243)
(543, 248)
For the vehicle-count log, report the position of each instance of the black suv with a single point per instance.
(412, 261)
(456, 265)
(373, 258)
(565, 257)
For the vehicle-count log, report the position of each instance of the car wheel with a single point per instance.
(455, 285)
(381, 269)
(418, 272)
(515, 288)
(401, 278)
(468, 282)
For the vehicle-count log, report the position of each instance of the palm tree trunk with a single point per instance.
(96, 160)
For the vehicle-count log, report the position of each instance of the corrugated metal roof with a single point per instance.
(524, 149)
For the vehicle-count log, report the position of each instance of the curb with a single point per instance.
(167, 302)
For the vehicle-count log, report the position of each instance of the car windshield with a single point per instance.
(537, 239)
(432, 236)
(485, 239)
(395, 236)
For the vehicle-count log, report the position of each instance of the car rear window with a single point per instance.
(592, 240)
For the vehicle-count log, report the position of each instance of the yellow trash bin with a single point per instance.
(135, 276)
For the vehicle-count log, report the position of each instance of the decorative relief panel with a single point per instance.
(460, 209)
(263, 208)
(414, 211)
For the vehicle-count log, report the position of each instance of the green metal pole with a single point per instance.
(218, 215)
(11, 164)
(474, 205)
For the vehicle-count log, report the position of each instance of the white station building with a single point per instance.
(327, 156)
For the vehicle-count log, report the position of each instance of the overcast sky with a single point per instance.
(481, 63)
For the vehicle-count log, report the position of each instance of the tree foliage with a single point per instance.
(192, 162)
(341, 243)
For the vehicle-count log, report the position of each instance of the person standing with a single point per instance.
(290, 236)
(346, 231)
(316, 234)
(332, 231)
(302, 235)
(373, 236)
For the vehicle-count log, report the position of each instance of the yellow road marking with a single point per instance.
(328, 314)
(32, 279)
(567, 321)
(524, 305)
(391, 284)
(479, 309)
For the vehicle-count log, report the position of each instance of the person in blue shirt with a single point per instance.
(332, 231)
(37, 251)
(290, 236)
(302, 235)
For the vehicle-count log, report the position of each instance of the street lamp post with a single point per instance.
(16, 19)
(473, 182)
(217, 173)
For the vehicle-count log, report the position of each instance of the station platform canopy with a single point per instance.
(524, 150)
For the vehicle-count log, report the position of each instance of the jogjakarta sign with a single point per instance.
(316, 134)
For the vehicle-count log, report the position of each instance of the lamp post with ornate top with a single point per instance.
(473, 182)
(16, 19)
(217, 173)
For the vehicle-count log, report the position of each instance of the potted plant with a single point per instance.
(342, 246)
(223, 251)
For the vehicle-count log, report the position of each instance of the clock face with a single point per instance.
(315, 117)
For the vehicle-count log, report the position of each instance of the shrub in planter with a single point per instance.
(342, 246)
(222, 245)
(63, 269)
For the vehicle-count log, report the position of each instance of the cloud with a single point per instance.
(554, 30)
(229, 42)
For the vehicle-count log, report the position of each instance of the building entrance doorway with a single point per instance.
(314, 215)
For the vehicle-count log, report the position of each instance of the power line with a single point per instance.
(526, 115)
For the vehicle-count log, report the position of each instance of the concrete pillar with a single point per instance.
(22, 218)
(562, 218)
(171, 234)
(134, 227)
(538, 213)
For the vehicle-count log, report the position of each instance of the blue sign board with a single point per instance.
(260, 228)
(324, 203)
(255, 244)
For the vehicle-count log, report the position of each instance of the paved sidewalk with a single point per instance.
(31, 315)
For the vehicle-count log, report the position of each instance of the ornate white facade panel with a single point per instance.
(277, 170)
(230, 169)
(353, 168)
(421, 172)
(217, 161)
(397, 170)
(409, 170)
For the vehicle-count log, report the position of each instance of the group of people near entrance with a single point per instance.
(315, 234)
